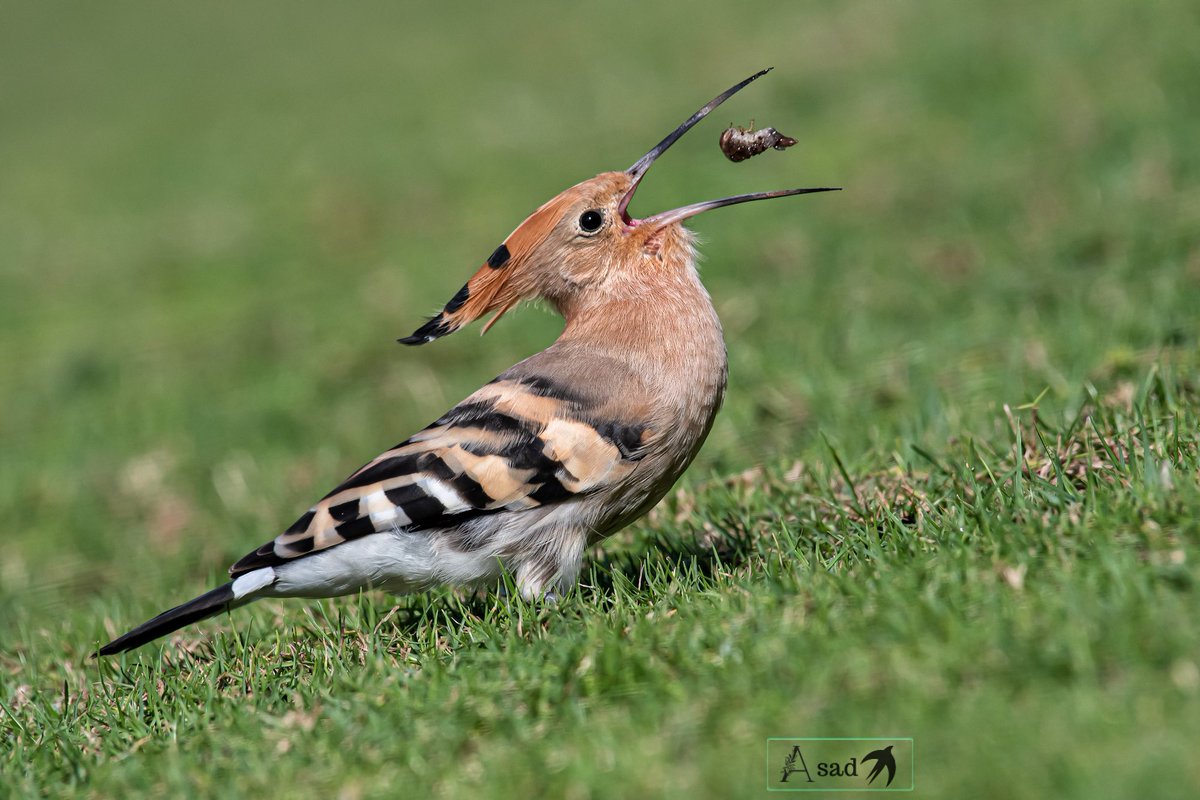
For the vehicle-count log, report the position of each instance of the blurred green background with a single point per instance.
(215, 220)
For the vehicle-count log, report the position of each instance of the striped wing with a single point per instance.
(517, 443)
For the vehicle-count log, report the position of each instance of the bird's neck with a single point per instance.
(666, 332)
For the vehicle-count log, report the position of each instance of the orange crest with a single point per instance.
(501, 282)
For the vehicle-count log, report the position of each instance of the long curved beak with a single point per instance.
(642, 165)
(677, 214)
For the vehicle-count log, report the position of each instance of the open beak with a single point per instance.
(639, 170)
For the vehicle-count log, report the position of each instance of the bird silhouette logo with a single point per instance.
(882, 758)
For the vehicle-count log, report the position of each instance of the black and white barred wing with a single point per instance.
(513, 445)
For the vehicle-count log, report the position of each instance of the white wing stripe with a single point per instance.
(444, 494)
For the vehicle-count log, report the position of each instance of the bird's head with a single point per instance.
(582, 241)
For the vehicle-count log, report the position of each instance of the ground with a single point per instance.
(953, 494)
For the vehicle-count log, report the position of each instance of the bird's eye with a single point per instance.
(590, 221)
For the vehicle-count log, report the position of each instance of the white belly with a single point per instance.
(397, 561)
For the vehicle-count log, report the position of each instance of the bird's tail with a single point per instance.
(206, 605)
(236, 593)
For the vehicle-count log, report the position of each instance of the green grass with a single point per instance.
(953, 494)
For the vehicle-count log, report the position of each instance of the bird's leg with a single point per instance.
(551, 571)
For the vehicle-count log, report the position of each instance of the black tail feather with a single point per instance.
(206, 605)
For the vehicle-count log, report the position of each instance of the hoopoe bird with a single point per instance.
(559, 452)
